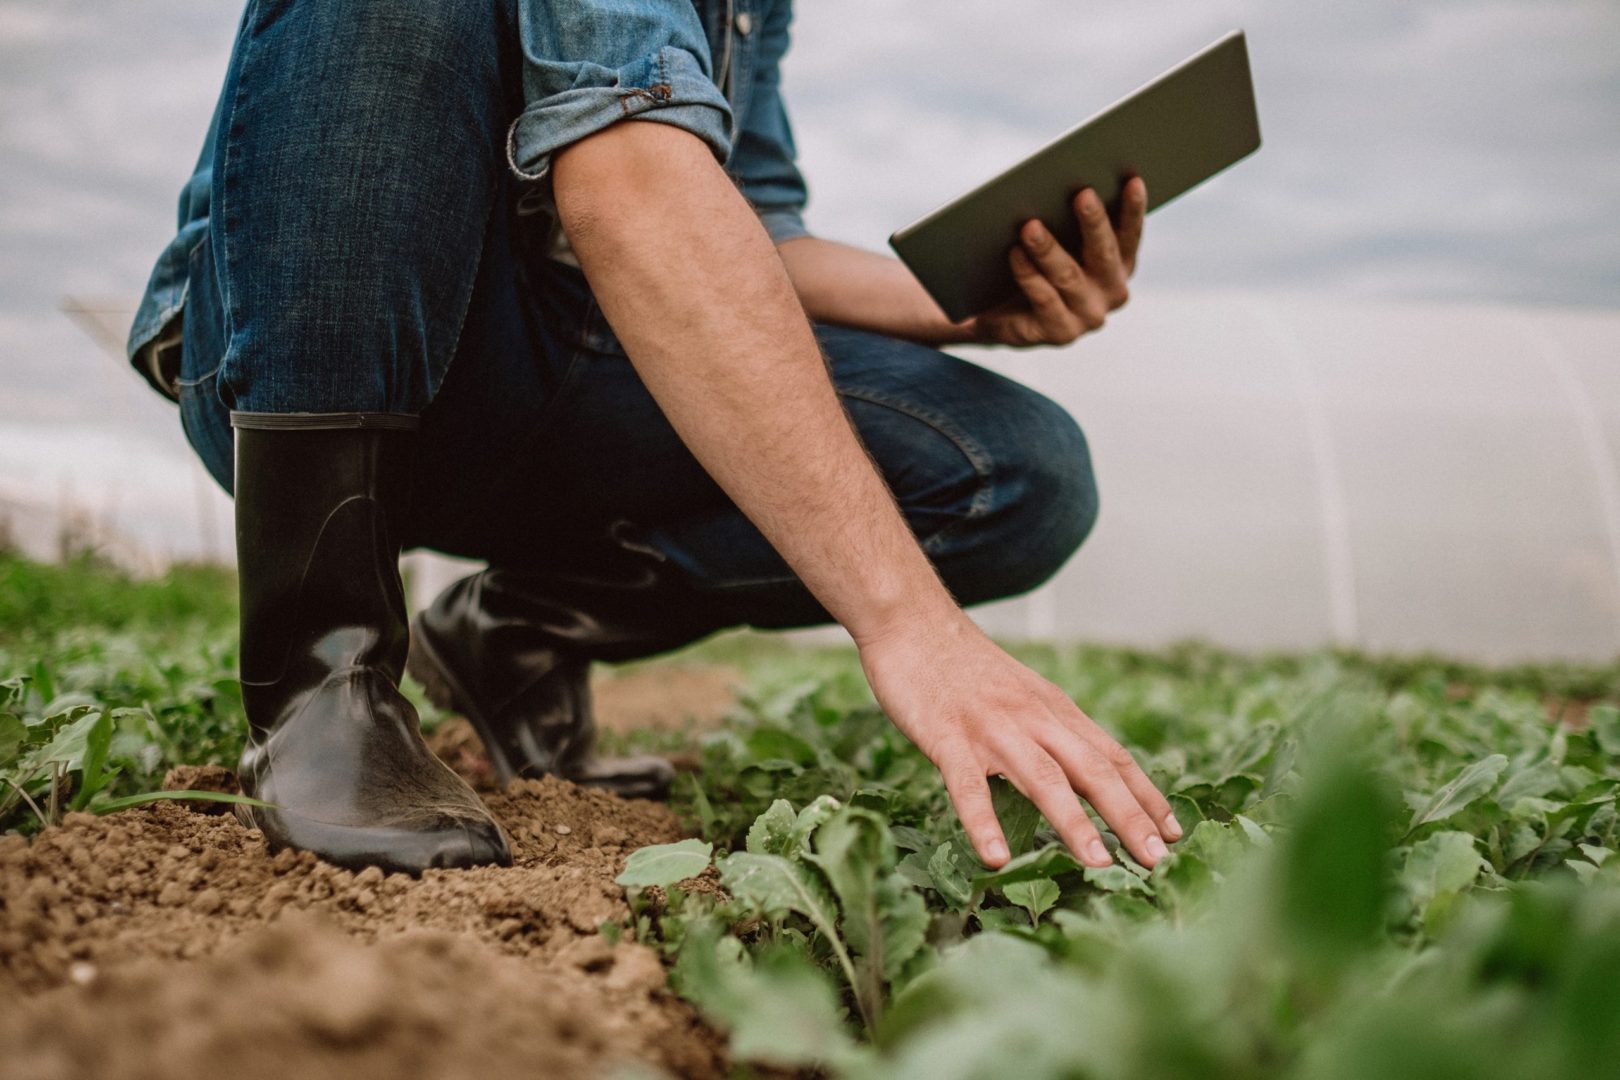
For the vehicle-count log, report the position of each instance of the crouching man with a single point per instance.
(526, 281)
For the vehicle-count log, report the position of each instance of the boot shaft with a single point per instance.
(317, 513)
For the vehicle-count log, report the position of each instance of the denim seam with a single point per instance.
(231, 134)
(192, 384)
(436, 374)
(632, 101)
(185, 292)
(981, 462)
(742, 83)
(511, 157)
(976, 456)
(162, 317)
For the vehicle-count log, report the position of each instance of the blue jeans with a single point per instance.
(369, 250)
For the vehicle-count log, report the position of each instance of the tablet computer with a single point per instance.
(1175, 132)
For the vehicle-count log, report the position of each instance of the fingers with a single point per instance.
(1068, 296)
(970, 794)
(1046, 784)
(1099, 249)
(1084, 305)
(1098, 779)
(1132, 216)
(1054, 321)
(1147, 795)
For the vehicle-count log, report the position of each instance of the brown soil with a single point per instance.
(165, 941)
(1571, 712)
(665, 698)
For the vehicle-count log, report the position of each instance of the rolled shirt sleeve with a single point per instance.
(764, 160)
(588, 64)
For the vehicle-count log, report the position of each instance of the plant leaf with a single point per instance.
(772, 831)
(948, 878)
(67, 746)
(908, 839)
(1471, 782)
(811, 818)
(773, 884)
(13, 737)
(903, 923)
(1049, 861)
(1035, 897)
(1604, 723)
(914, 868)
(1115, 879)
(1445, 862)
(1334, 881)
(93, 774)
(780, 1008)
(853, 849)
(767, 744)
(1018, 816)
(665, 864)
(124, 802)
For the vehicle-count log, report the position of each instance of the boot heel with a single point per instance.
(423, 664)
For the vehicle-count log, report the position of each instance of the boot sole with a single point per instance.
(424, 664)
(357, 848)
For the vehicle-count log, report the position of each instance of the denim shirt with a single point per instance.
(711, 67)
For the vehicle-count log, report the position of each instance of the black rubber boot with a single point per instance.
(333, 744)
(511, 652)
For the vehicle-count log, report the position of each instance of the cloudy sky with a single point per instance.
(1443, 150)
(1460, 149)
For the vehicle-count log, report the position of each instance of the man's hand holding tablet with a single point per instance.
(1067, 269)
(1064, 297)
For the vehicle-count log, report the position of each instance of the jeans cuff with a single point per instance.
(310, 421)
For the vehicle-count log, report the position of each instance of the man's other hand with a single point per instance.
(976, 712)
(1064, 297)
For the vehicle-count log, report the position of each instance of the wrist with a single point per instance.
(935, 328)
(914, 620)
(965, 332)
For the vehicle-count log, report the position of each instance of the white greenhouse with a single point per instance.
(1279, 471)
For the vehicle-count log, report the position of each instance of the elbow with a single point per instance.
(604, 182)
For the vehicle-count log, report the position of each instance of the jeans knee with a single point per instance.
(1050, 491)
(359, 162)
(389, 55)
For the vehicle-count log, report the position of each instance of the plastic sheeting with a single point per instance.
(1282, 472)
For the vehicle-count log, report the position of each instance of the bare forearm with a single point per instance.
(708, 315)
(845, 285)
(706, 312)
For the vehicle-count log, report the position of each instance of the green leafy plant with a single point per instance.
(69, 759)
(1370, 845)
(1393, 867)
(107, 682)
